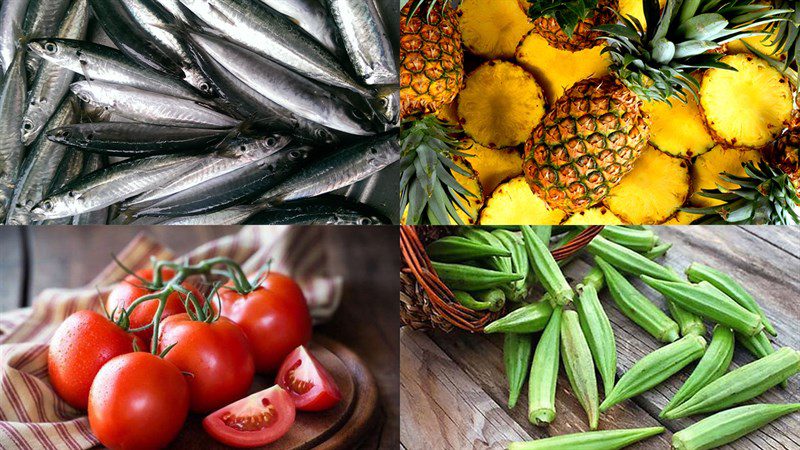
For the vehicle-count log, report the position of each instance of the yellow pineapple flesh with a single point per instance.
(682, 218)
(678, 129)
(513, 203)
(762, 44)
(449, 114)
(557, 70)
(500, 104)
(747, 107)
(708, 167)
(653, 191)
(493, 165)
(584, 36)
(594, 216)
(492, 29)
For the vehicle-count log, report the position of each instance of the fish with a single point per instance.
(51, 83)
(312, 17)
(264, 31)
(130, 139)
(322, 210)
(12, 20)
(300, 95)
(92, 164)
(365, 38)
(234, 215)
(12, 102)
(101, 63)
(113, 184)
(42, 19)
(338, 170)
(150, 107)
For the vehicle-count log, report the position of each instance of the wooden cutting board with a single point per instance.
(342, 427)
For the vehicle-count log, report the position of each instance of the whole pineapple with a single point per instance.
(431, 56)
(570, 25)
(591, 137)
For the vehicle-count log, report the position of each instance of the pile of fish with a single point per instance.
(193, 111)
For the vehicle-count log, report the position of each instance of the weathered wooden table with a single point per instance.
(454, 392)
(367, 321)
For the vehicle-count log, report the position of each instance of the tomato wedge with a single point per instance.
(308, 383)
(253, 421)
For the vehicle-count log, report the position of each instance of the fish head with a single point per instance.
(59, 135)
(382, 153)
(388, 104)
(84, 91)
(198, 80)
(52, 208)
(348, 219)
(266, 145)
(33, 121)
(49, 49)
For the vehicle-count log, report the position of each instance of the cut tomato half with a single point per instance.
(253, 421)
(308, 383)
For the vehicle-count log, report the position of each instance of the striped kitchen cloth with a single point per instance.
(32, 416)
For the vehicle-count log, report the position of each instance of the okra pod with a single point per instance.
(599, 334)
(727, 426)
(741, 384)
(636, 306)
(517, 358)
(499, 263)
(638, 240)
(527, 319)
(545, 232)
(591, 440)
(594, 278)
(759, 346)
(466, 300)
(460, 249)
(697, 272)
(546, 268)
(544, 373)
(469, 278)
(689, 323)
(519, 264)
(707, 301)
(712, 365)
(658, 251)
(654, 368)
(628, 261)
(578, 365)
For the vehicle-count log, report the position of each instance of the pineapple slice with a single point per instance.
(682, 218)
(654, 190)
(597, 215)
(513, 203)
(747, 107)
(500, 104)
(493, 29)
(493, 165)
(678, 129)
(635, 8)
(557, 70)
(448, 113)
(765, 46)
(708, 167)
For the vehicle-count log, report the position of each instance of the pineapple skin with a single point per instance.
(586, 143)
(431, 58)
(784, 153)
(584, 36)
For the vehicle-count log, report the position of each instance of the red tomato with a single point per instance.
(274, 317)
(138, 401)
(253, 421)
(131, 288)
(311, 386)
(81, 345)
(215, 354)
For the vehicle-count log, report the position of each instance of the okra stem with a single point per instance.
(591, 440)
(578, 365)
(517, 358)
(546, 268)
(544, 373)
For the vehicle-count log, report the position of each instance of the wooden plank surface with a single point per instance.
(764, 259)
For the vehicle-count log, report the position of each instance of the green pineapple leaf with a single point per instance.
(566, 13)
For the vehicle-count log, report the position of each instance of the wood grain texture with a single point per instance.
(766, 260)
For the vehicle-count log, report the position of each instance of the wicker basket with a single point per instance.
(426, 303)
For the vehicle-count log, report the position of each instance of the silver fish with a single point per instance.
(174, 8)
(113, 184)
(284, 87)
(100, 63)
(39, 168)
(12, 100)
(366, 40)
(338, 170)
(312, 17)
(12, 19)
(268, 33)
(229, 216)
(93, 163)
(41, 20)
(51, 82)
(149, 107)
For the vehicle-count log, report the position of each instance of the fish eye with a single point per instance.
(205, 87)
(51, 47)
(243, 148)
(27, 125)
(48, 205)
(90, 136)
(295, 155)
(62, 133)
(373, 151)
(72, 194)
(85, 98)
(271, 141)
(364, 221)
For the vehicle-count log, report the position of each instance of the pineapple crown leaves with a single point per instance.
(657, 61)
(784, 36)
(566, 13)
(427, 185)
(765, 195)
(417, 5)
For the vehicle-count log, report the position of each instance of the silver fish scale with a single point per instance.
(12, 98)
(311, 16)
(12, 19)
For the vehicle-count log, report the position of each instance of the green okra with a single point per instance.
(594, 278)
(727, 426)
(546, 268)
(636, 306)
(658, 251)
(499, 263)
(591, 440)
(527, 319)
(578, 365)
(697, 272)
(544, 232)
(544, 373)
(599, 334)
(517, 358)
(629, 261)
(741, 384)
(689, 323)
(638, 240)
(466, 300)
(758, 345)
(494, 297)
(519, 264)
(654, 368)
(468, 278)
(460, 249)
(707, 301)
(714, 363)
